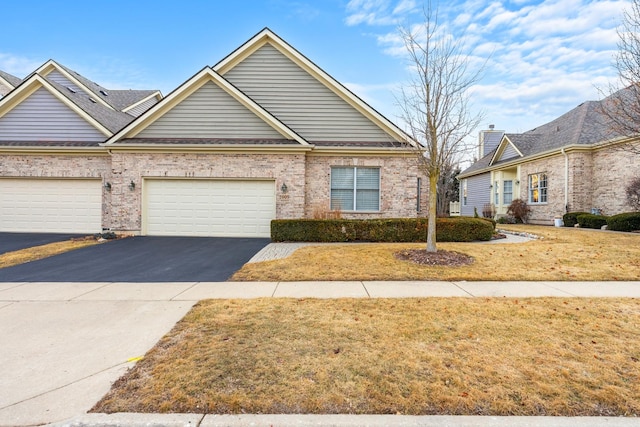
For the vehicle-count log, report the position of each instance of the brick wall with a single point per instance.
(613, 169)
(398, 185)
(544, 213)
(127, 167)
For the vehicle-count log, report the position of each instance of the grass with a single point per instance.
(22, 256)
(495, 356)
(562, 254)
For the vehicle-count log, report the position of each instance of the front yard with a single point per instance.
(562, 254)
(471, 356)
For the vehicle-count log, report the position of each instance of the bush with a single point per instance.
(592, 221)
(519, 210)
(624, 222)
(458, 229)
(570, 219)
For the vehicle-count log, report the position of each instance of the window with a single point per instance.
(507, 192)
(464, 192)
(355, 189)
(538, 188)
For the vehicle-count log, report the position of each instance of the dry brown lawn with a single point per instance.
(497, 356)
(562, 254)
(10, 259)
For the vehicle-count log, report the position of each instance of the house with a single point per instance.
(573, 163)
(263, 134)
(7, 83)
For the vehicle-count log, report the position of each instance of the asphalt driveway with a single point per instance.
(10, 242)
(143, 259)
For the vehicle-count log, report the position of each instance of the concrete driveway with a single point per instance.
(143, 259)
(15, 241)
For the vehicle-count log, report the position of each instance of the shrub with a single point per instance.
(458, 229)
(624, 222)
(592, 221)
(519, 210)
(570, 219)
(633, 193)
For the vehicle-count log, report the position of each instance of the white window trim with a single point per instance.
(530, 189)
(355, 188)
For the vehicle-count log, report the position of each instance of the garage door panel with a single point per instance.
(230, 208)
(51, 205)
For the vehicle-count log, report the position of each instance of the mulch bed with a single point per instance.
(446, 258)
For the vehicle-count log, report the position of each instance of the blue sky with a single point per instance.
(546, 57)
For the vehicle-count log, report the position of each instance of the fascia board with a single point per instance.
(266, 36)
(93, 151)
(363, 151)
(6, 83)
(34, 83)
(157, 95)
(190, 148)
(50, 65)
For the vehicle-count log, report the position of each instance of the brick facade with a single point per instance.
(398, 185)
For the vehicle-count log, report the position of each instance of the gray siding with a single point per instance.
(139, 109)
(209, 112)
(57, 77)
(509, 153)
(43, 117)
(478, 194)
(299, 100)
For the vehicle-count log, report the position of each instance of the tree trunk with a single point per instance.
(433, 200)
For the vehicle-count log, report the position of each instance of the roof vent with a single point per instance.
(103, 92)
(70, 89)
(557, 128)
(492, 127)
(92, 100)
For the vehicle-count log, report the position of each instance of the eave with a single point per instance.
(35, 150)
(200, 148)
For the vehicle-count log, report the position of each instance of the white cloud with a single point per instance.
(545, 56)
(18, 66)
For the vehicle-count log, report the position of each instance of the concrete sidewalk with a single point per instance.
(64, 344)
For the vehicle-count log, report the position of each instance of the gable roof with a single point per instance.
(584, 125)
(267, 37)
(117, 100)
(104, 120)
(9, 80)
(196, 82)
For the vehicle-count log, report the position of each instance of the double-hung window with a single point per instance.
(507, 192)
(355, 188)
(538, 188)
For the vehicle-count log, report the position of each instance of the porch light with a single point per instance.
(132, 186)
(517, 182)
(107, 186)
(284, 188)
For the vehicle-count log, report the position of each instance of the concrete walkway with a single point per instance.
(64, 344)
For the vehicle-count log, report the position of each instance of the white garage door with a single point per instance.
(226, 208)
(50, 205)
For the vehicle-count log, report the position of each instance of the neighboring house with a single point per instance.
(263, 134)
(573, 163)
(7, 83)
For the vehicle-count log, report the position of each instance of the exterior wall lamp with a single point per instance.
(284, 188)
(107, 186)
(132, 186)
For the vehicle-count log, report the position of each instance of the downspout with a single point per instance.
(566, 180)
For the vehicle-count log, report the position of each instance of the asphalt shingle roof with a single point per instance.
(13, 80)
(583, 125)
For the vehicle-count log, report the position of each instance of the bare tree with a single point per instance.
(435, 103)
(621, 108)
(448, 188)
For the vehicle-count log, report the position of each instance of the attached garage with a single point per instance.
(50, 205)
(205, 207)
